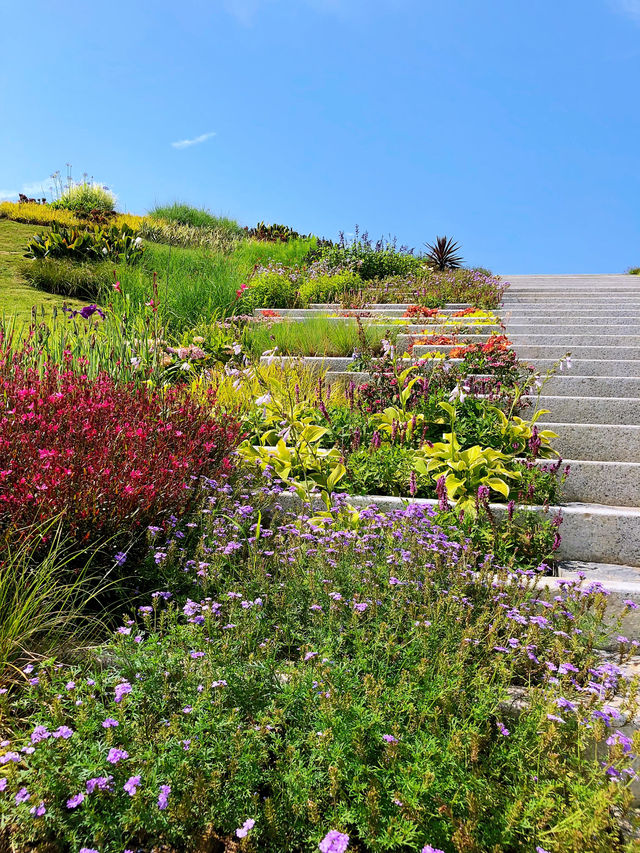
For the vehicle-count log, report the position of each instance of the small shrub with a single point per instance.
(329, 288)
(274, 286)
(196, 217)
(68, 278)
(274, 233)
(108, 460)
(368, 260)
(85, 198)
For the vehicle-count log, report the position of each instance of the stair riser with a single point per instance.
(527, 329)
(531, 353)
(614, 483)
(591, 367)
(601, 442)
(592, 410)
(592, 386)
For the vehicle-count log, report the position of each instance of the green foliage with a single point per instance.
(385, 470)
(329, 288)
(85, 198)
(367, 260)
(114, 243)
(313, 337)
(272, 289)
(358, 680)
(80, 280)
(44, 602)
(634, 271)
(274, 233)
(212, 239)
(196, 217)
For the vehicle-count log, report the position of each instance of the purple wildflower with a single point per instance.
(246, 827)
(163, 797)
(39, 810)
(131, 785)
(75, 801)
(22, 796)
(116, 755)
(109, 723)
(121, 690)
(334, 842)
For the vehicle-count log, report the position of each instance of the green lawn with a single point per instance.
(17, 298)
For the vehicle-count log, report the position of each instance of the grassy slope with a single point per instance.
(17, 298)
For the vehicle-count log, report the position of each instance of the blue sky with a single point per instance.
(512, 126)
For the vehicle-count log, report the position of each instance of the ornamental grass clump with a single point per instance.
(331, 683)
(107, 459)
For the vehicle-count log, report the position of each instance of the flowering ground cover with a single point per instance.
(291, 672)
(346, 676)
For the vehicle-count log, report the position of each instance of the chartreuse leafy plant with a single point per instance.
(349, 679)
(289, 441)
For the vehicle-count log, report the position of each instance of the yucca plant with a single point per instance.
(444, 254)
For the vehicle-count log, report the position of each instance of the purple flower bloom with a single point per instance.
(38, 810)
(64, 732)
(334, 842)
(39, 733)
(246, 827)
(116, 755)
(196, 655)
(310, 655)
(3, 783)
(22, 796)
(120, 558)
(504, 731)
(109, 723)
(389, 738)
(131, 785)
(121, 690)
(75, 801)
(9, 756)
(101, 783)
(429, 849)
(163, 798)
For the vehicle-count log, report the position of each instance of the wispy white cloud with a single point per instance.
(631, 8)
(37, 189)
(187, 143)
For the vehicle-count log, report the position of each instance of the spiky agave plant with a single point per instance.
(444, 254)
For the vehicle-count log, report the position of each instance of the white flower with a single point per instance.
(104, 251)
(237, 349)
(264, 400)
(457, 394)
(137, 242)
(185, 366)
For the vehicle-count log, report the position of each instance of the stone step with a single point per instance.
(549, 351)
(589, 367)
(591, 410)
(615, 483)
(568, 321)
(595, 442)
(570, 385)
(525, 329)
(566, 317)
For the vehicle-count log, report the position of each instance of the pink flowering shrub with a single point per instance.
(106, 458)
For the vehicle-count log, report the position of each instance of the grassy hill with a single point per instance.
(17, 298)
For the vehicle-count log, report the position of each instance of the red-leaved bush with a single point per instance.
(108, 459)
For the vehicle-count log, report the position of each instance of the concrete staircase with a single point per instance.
(594, 404)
